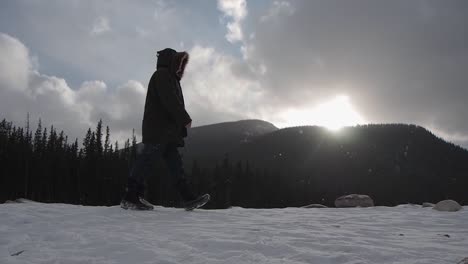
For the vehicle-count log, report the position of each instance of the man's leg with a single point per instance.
(176, 168)
(142, 168)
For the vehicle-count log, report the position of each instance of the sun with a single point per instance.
(336, 113)
(333, 114)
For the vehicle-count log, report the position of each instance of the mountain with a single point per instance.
(395, 163)
(367, 144)
(208, 144)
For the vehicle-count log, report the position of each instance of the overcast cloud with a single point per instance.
(75, 62)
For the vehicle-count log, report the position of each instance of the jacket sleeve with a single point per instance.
(167, 91)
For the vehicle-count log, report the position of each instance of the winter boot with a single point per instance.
(131, 201)
(143, 201)
(197, 202)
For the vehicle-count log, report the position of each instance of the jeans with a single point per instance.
(143, 168)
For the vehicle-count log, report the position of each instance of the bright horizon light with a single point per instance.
(333, 115)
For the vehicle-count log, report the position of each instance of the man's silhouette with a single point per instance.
(165, 124)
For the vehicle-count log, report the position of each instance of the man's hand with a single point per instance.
(189, 125)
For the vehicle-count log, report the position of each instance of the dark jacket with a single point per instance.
(165, 116)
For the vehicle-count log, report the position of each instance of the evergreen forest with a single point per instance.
(289, 167)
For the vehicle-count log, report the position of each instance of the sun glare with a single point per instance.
(334, 115)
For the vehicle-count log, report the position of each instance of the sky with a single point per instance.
(322, 62)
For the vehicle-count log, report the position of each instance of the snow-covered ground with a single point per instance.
(59, 233)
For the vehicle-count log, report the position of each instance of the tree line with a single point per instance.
(291, 167)
(46, 166)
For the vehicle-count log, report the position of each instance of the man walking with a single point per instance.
(165, 124)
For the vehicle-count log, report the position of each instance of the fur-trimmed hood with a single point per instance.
(173, 60)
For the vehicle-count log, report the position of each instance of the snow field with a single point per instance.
(60, 233)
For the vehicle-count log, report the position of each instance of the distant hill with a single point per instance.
(210, 143)
(392, 162)
(367, 144)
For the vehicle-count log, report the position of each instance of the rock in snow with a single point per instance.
(447, 206)
(427, 205)
(354, 200)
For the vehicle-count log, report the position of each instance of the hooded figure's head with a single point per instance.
(173, 60)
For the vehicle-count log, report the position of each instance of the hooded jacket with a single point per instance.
(165, 116)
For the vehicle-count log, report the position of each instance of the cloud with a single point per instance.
(214, 91)
(400, 61)
(23, 89)
(236, 10)
(100, 26)
(59, 33)
(15, 64)
(276, 9)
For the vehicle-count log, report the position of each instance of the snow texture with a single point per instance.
(59, 233)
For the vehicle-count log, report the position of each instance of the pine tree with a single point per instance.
(107, 146)
(52, 141)
(116, 150)
(134, 146)
(126, 150)
(92, 144)
(87, 142)
(74, 148)
(28, 131)
(61, 141)
(98, 135)
(38, 137)
(44, 139)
